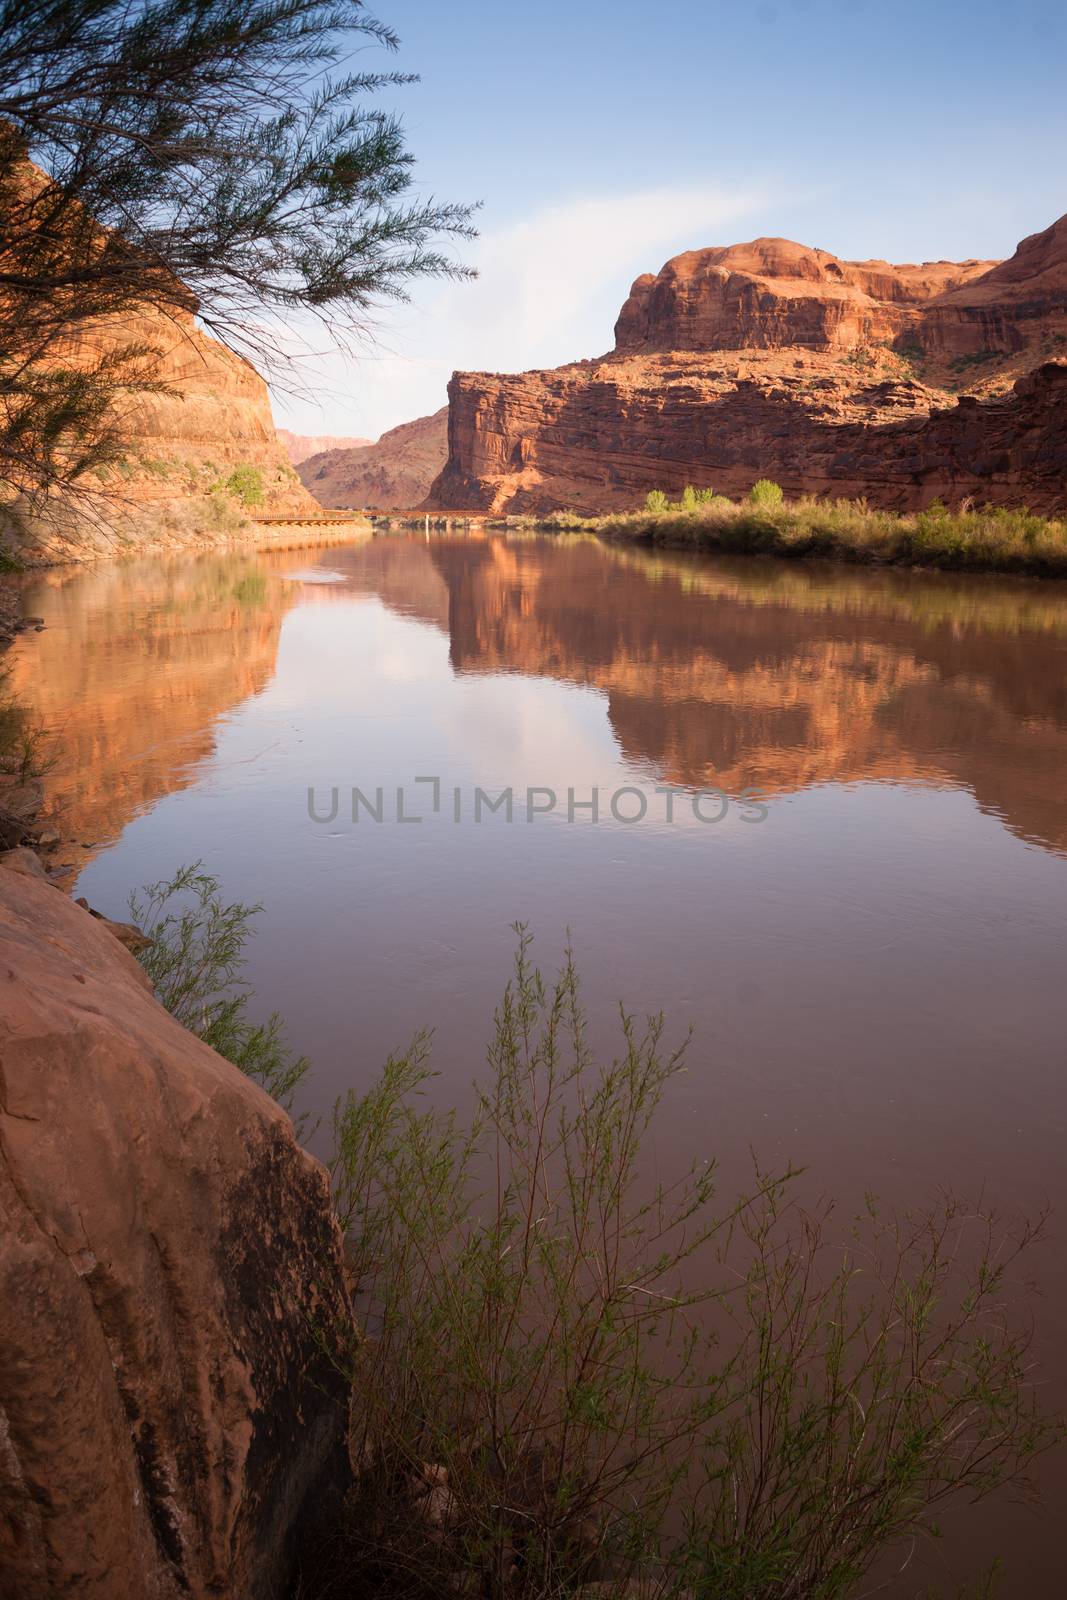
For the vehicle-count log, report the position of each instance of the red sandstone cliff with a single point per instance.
(210, 418)
(392, 475)
(206, 416)
(769, 359)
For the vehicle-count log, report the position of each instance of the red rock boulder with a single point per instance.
(169, 1274)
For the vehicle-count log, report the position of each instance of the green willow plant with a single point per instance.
(570, 1375)
(195, 962)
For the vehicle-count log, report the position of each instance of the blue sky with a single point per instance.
(604, 136)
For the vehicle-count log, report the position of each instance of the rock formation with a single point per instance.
(901, 383)
(204, 417)
(392, 475)
(168, 1268)
(210, 419)
(299, 446)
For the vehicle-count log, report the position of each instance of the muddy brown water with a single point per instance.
(862, 915)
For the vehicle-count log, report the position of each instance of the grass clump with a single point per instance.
(571, 1374)
(984, 539)
(195, 962)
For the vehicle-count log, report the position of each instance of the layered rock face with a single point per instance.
(210, 419)
(393, 475)
(168, 1268)
(772, 293)
(901, 383)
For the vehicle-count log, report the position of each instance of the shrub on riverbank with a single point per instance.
(571, 1374)
(989, 539)
(195, 961)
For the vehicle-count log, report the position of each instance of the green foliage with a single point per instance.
(691, 500)
(57, 423)
(572, 1372)
(909, 348)
(195, 964)
(976, 358)
(195, 158)
(765, 493)
(23, 744)
(246, 483)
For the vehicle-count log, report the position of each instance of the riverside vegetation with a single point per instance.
(972, 539)
(566, 1376)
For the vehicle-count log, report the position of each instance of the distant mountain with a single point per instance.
(299, 446)
(770, 359)
(392, 475)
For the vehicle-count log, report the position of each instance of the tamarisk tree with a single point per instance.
(215, 156)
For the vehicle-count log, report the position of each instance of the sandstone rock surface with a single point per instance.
(210, 419)
(392, 475)
(166, 1256)
(773, 293)
(205, 416)
(769, 359)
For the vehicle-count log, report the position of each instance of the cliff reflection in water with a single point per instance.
(137, 663)
(716, 673)
(766, 674)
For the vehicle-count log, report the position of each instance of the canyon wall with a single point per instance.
(394, 474)
(171, 1285)
(175, 484)
(899, 383)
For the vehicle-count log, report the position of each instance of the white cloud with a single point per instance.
(548, 291)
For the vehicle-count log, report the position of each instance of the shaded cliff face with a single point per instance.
(901, 383)
(392, 475)
(169, 1272)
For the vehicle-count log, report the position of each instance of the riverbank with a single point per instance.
(991, 540)
(987, 540)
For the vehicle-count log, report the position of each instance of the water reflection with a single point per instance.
(720, 674)
(734, 675)
(137, 662)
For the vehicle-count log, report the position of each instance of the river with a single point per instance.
(831, 836)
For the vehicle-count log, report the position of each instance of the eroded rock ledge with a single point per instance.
(169, 1273)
